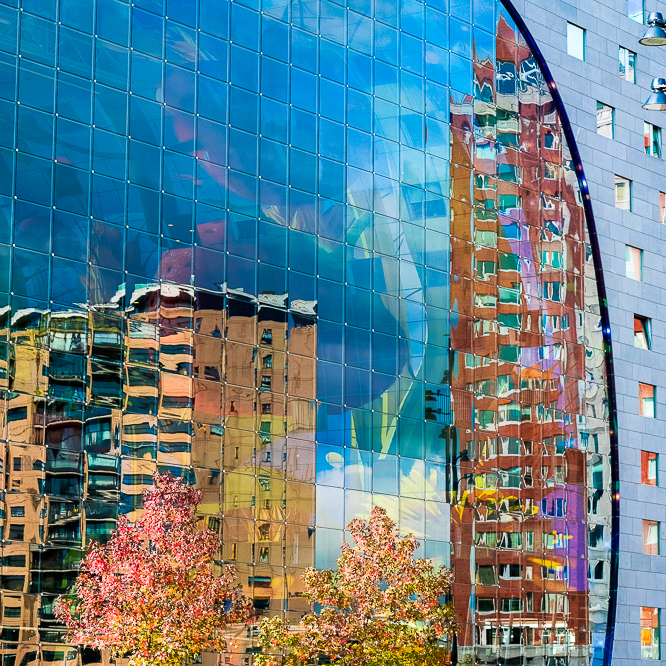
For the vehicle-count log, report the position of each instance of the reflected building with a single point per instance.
(529, 515)
(313, 259)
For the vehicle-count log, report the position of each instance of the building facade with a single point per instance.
(317, 257)
(620, 147)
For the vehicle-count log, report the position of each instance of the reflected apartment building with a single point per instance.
(312, 259)
(158, 407)
(534, 466)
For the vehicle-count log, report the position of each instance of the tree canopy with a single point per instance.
(152, 593)
(381, 607)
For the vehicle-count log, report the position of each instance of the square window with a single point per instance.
(651, 537)
(512, 605)
(662, 207)
(649, 466)
(605, 120)
(627, 65)
(642, 337)
(485, 575)
(622, 193)
(485, 605)
(636, 10)
(575, 41)
(649, 633)
(16, 532)
(646, 400)
(634, 263)
(652, 139)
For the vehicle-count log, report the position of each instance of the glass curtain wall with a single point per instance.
(313, 258)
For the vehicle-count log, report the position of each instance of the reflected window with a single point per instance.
(646, 400)
(16, 532)
(649, 468)
(512, 605)
(511, 571)
(642, 338)
(652, 139)
(627, 65)
(575, 41)
(485, 575)
(634, 263)
(622, 193)
(651, 537)
(636, 10)
(650, 633)
(605, 120)
(662, 207)
(485, 605)
(595, 536)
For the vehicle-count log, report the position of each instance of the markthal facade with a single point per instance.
(313, 257)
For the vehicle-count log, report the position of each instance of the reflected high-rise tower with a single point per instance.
(312, 258)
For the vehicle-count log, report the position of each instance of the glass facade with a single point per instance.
(314, 257)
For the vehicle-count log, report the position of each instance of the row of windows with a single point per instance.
(651, 139)
(115, 68)
(647, 393)
(576, 44)
(151, 33)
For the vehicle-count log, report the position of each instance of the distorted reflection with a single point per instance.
(312, 263)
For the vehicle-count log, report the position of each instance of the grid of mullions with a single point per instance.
(313, 258)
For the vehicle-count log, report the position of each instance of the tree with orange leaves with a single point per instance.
(151, 593)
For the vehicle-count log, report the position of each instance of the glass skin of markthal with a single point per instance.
(312, 258)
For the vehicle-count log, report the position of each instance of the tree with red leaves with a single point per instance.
(381, 607)
(151, 594)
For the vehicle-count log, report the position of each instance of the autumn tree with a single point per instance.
(381, 607)
(151, 593)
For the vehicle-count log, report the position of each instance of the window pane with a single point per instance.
(662, 207)
(656, 141)
(634, 262)
(646, 400)
(649, 633)
(651, 537)
(627, 63)
(623, 63)
(622, 193)
(605, 120)
(652, 139)
(635, 10)
(575, 41)
(649, 465)
(631, 67)
(641, 332)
